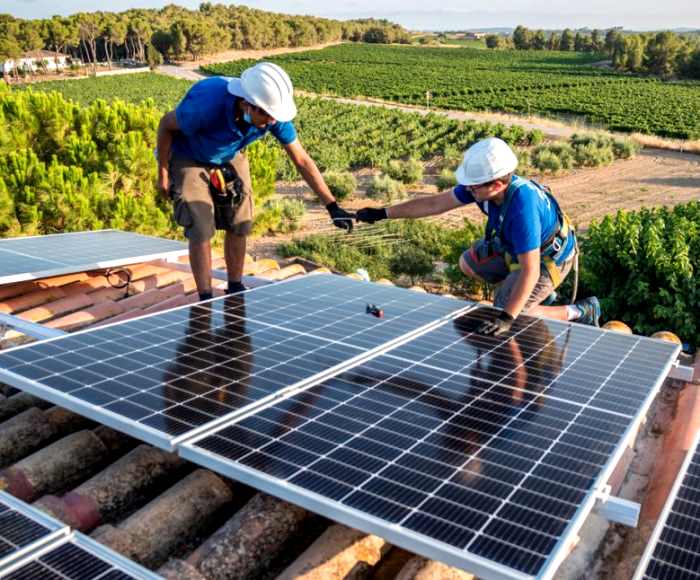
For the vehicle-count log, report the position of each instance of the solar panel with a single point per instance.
(23, 529)
(78, 558)
(31, 258)
(673, 551)
(165, 376)
(468, 449)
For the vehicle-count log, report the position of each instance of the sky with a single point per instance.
(419, 15)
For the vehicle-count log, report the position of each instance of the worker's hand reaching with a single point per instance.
(341, 218)
(497, 326)
(371, 214)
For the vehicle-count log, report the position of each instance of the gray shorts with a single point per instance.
(193, 206)
(494, 270)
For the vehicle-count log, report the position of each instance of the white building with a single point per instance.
(36, 60)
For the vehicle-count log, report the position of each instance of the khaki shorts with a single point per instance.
(494, 270)
(193, 206)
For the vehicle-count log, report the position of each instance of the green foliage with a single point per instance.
(413, 262)
(419, 245)
(521, 81)
(446, 179)
(66, 167)
(385, 188)
(279, 216)
(645, 265)
(408, 171)
(341, 183)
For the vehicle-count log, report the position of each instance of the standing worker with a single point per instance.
(529, 246)
(203, 168)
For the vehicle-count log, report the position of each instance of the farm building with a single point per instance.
(37, 60)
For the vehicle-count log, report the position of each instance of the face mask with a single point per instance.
(247, 118)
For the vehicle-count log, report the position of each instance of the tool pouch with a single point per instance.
(227, 193)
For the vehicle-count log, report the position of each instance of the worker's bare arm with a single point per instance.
(424, 206)
(309, 171)
(168, 125)
(525, 284)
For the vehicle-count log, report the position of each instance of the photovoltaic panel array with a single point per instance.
(30, 258)
(23, 529)
(484, 453)
(673, 552)
(77, 558)
(164, 376)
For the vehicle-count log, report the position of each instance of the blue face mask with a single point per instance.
(247, 118)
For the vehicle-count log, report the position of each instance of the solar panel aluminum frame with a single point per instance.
(168, 443)
(58, 531)
(27, 276)
(567, 541)
(95, 548)
(661, 523)
(407, 539)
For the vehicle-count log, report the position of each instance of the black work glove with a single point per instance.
(341, 218)
(499, 325)
(371, 214)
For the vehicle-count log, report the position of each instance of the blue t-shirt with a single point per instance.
(208, 132)
(529, 223)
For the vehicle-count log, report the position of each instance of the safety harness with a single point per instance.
(551, 251)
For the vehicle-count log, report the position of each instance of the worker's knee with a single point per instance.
(466, 269)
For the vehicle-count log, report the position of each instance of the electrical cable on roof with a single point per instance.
(123, 276)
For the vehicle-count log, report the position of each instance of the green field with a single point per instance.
(337, 136)
(529, 82)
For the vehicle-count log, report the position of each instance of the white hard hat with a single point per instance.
(485, 161)
(267, 86)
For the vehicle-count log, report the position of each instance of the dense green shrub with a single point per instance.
(279, 216)
(408, 171)
(400, 247)
(625, 148)
(546, 161)
(385, 188)
(67, 167)
(645, 267)
(341, 183)
(535, 137)
(446, 179)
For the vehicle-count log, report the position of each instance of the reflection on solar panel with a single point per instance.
(484, 453)
(31, 258)
(23, 528)
(673, 551)
(78, 558)
(163, 376)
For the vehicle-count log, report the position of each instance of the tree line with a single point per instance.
(665, 54)
(175, 32)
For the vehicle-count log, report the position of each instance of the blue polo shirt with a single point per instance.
(529, 223)
(208, 132)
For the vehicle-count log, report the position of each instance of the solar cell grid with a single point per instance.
(169, 374)
(40, 256)
(22, 529)
(674, 548)
(78, 558)
(472, 468)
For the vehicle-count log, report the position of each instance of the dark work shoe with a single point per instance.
(235, 287)
(590, 311)
(205, 296)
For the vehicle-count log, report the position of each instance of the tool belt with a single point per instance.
(227, 193)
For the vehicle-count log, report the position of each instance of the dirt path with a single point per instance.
(230, 55)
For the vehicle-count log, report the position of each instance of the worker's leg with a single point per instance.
(234, 253)
(200, 262)
(194, 210)
(481, 264)
(240, 226)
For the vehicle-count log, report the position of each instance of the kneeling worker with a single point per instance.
(202, 166)
(529, 246)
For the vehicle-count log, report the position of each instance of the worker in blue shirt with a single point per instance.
(202, 166)
(529, 246)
